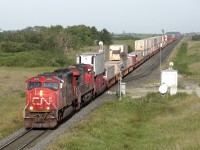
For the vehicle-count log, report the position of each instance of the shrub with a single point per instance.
(35, 58)
(196, 38)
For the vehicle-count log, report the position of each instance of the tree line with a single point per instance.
(41, 46)
(52, 38)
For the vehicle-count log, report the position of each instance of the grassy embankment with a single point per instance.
(153, 122)
(186, 60)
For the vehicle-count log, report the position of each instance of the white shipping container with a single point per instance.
(117, 65)
(164, 40)
(129, 62)
(141, 45)
(149, 43)
(109, 72)
(115, 51)
(155, 41)
(145, 53)
(93, 58)
(138, 54)
(159, 39)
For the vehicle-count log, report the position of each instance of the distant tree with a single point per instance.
(130, 49)
(95, 34)
(105, 37)
(81, 36)
(196, 37)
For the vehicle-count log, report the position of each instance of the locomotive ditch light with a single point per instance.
(31, 108)
(48, 108)
(61, 85)
(41, 93)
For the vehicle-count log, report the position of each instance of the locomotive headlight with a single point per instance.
(31, 107)
(41, 93)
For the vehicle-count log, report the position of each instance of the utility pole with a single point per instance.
(120, 88)
(161, 44)
(160, 58)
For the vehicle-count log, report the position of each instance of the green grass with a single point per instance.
(181, 61)
(35, 58)
(12, 96)
(186, 58)
(152, 122)
(39, 58)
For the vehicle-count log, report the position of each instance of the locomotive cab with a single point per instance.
(41, 93)
(41, 101)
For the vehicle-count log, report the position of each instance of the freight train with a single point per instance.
(51, 97)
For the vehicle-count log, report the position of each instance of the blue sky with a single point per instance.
(136, 16)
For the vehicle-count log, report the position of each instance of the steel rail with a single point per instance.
(15, 139)
(32, 140)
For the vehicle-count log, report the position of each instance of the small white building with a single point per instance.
(169, 77)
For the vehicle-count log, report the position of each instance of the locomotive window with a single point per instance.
(32, 85)
(51, 85)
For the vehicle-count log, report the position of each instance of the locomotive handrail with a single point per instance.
(77, 91)
(25, 109)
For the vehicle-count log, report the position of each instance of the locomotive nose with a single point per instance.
(40, 99)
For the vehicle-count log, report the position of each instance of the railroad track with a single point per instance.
(154, 65)
(23, 140)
